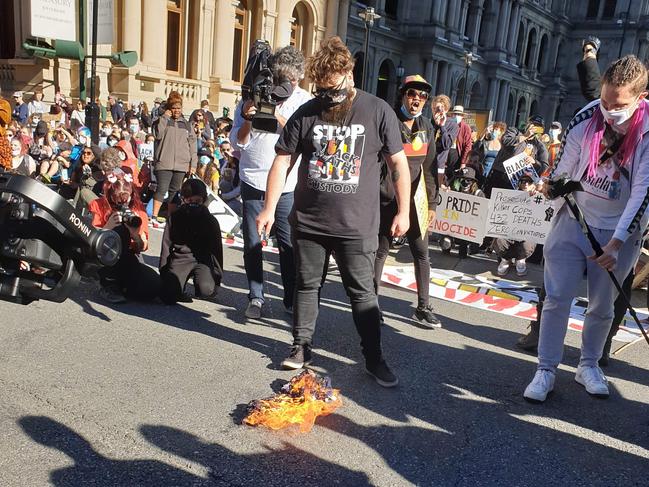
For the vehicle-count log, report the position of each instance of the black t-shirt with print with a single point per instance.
(337, 192)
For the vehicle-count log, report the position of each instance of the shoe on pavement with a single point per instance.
(112, 295)
(593, 379)
(185, 298)
(521, 267)
(503, 267)
(540, 387)
(253, 310)
(299, 356)
(426, 316)
(382, 374)
(529, 342)
(158, 222)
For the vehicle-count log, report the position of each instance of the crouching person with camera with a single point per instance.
(607, 151)
(120, 210)
(191, 247)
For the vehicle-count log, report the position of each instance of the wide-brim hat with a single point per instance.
(417, 82)
(457, 110)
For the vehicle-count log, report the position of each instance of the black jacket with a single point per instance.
(511, 146)
(589, 77)
(193, 230)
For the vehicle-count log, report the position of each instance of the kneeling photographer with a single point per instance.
(191, 247)
(274, 83)
(120, 209)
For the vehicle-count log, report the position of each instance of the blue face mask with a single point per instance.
(409, 115)
(204, 160)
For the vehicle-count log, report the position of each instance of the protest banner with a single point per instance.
(515, 215)
(145, 151)
(518, 166)
(421, 206)
(461, 216)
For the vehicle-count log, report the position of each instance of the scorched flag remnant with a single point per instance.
(305, 397)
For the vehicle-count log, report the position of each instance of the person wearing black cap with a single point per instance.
(419, 147)
(191, 247)
(513, 143)
(588, 69)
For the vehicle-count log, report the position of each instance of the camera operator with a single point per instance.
(513, 143)
(257, 154)
(175, 152)
(120, 209)
(607, 150)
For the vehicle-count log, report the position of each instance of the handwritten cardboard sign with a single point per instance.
(461, 216)
(515, 215)
(518, 166)
(421, 206)
(145, 151)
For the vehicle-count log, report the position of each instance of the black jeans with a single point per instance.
(129, 275)
(167, 181)
(355, 259)
(180, 268)
(419, 249)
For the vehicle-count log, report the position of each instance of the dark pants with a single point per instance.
(130, 276)
(355, 259)
(419, 249)
(513, 249)
(253, 203)
(167, 181)
(180, 268)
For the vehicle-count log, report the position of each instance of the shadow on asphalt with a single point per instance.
(459, 412)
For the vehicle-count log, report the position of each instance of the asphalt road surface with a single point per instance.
(146, 394)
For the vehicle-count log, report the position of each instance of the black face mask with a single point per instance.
(332, 96)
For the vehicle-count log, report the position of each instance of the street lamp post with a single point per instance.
(468, 58)
(624, 20)
(369, 16)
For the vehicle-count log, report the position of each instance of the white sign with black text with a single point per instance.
(515, 215)
(54, 19)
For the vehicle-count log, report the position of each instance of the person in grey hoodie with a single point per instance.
(175, 151)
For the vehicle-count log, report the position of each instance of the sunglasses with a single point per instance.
(412, 93)
(331, 92)
(87, 153)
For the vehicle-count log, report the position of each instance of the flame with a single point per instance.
(301, 401)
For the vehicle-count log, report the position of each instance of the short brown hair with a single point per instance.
(333, 58)
(109, 160)
(628, 70)
(443, 99)
(173, 98)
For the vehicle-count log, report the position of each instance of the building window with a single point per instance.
(240, 40)
(391, 7)
(175, 31)
(531, 47)
(299, 28)
(593, 9)
(609, 9)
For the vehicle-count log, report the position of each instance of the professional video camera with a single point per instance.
(45, 243)
(259, 86)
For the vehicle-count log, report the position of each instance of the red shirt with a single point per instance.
(101, 211)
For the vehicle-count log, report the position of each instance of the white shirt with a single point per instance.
(258, 153)
(37, 107)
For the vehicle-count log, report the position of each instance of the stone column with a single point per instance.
(514, 25)
(224, 32)
(343, 17)
(503, 24)
(492, 95)
(154, 44)
(332, 18)
(475, 20)
(132, 26)
(503, 99)
(430, 73)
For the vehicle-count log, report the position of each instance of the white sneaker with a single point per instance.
(503, 267)
(593, 379)
(521, 267)
(540, 387)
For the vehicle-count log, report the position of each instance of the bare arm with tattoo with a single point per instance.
(400, 173)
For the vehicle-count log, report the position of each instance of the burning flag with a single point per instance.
(305, 397)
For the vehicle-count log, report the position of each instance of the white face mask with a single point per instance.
(134, 128)
(15, 152)
(615, 118)
(554, 133)
(83, 140)
(458, 118)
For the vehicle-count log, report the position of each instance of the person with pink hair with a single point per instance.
(605, 149)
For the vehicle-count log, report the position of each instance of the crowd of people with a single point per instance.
(338, 178)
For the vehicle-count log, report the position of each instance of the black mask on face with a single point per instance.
(332, 96)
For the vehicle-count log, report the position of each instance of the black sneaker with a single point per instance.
(382, 374)
(529, 342)
(299, 356)
(427, 317)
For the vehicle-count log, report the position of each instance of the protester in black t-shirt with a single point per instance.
(419, 147)
(341, 135)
